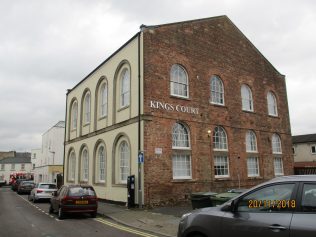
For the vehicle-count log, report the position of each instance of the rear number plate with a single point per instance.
(82, 202)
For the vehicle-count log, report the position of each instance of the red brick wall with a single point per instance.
(205, 48)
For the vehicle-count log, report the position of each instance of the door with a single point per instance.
(265, 212)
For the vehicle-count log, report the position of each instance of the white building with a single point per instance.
(48, 161)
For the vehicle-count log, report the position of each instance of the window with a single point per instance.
(103, 100)
(22, 166)
(85, 165)
(101, 164)
(272, 198)
(87, 108)
(246, 98)
(313, 149)
(278, 166)
(221, 166)
(180, 136)
(251, 142)
(124, 162)
(309, 198)
(253, 166)
(276, 144)
(74, 115)
(217, 91)
(33, 166)
(2, 166)
(272, 104)
(219, 139)
(181, 166)
(12, 166)
(72, 166)
(179, 81)
(125, 88)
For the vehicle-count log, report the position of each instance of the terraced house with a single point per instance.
(185, 107)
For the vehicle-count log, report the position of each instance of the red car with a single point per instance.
(74, 199)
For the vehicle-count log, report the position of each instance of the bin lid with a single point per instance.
(203, 194)
(226, 195)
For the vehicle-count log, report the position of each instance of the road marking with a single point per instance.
(124, 228)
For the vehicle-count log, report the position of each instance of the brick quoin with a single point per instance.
(207, 47)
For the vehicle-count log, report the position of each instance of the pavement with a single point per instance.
(161, 221)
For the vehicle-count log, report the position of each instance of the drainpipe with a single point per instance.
(65, 137)
(140, 192)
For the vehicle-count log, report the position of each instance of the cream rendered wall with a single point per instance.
(303, 152)
(75, 139)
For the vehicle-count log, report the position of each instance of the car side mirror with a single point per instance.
(230, 206)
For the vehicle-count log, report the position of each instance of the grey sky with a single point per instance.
(47, 47)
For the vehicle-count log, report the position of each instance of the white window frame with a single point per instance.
(220, 142)
(251, 142)
(276, 144)
(180, 137)
(22, 166)
(179, 82)
(2, 166)
(87, 108)
(278, 166)
(72, 166)
(101, 164)
(272, 104)
(246, 98)
(253, 166)
(124, 162)
(217, 91)
(103, 100)
(181, 166)
(74, 115)
(313, 146)
(221, 163)
(125, 88)
(85, 165)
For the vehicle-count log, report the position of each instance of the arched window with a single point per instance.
(125, 88)
(179, 84)
(74, 115)
(180, 136)
(219, 139)
(84, 165)
(103, 100)
(101, 164)
(251, 142)
(217, 91)
(246, 98)
(272, 104)
(72, 166)
(124, 168)
(87, 108)
(276, 144)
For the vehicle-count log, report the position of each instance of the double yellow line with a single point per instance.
(121, 227)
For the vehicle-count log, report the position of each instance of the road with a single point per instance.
(21, 218)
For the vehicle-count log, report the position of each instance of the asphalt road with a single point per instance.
(21, 218)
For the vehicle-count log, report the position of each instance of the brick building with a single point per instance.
(205, 107)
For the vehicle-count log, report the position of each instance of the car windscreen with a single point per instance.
(47, 186)
(81, 191)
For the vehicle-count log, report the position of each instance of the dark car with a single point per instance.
(284, 206)
(25, 187)
(15, 184)
(74, 199)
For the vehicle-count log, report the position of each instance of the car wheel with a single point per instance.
(93, 214)
(51, 209)
(34, 200)
(60, 214)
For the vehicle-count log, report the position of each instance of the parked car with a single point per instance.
(42, 191)
(74, 199)
(284, 206)
(25, 186)
(15, 184)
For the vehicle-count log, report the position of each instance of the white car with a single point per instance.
(42, 191)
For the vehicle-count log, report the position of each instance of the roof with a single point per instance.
(60, 124)
(16, 160)
(304, 138)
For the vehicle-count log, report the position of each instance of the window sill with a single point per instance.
(219, 178)
(254, 177)
(218, 105)
(180, 97)
(123, 108)
(86, 124)
(273, 116)
(181, 180)
(103, 117)
(248, 111)
(119, 185)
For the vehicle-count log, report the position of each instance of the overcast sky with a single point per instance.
(47, 47)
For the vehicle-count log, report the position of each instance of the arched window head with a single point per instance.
(124, 155)
(217, 91)
(272, 104)
(219, 139)
(74, 115)
(276, 144)
(103, 100)
(72, 166)
(87, 108)
(251, 142)
(179, 84)
(125, 88)
(101, 164)
(85, 165)
(180, 136)
(246, 98)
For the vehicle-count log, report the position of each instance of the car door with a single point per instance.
(304, 219)
(55, 200)
(264, 212)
